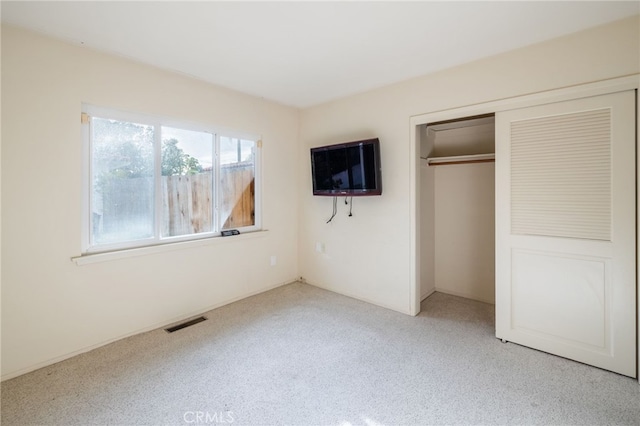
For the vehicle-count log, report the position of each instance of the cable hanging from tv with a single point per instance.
(350, 205)
(335, 207)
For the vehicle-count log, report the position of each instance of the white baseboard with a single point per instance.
(427, 294)
(156, 326)
(353, 296)
(465, 295)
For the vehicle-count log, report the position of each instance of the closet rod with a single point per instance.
(460, 159)
(448, 163)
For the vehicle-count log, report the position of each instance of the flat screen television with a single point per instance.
(351, 169)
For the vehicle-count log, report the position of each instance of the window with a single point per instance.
(151, 182)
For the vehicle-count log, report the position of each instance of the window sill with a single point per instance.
(161, 248)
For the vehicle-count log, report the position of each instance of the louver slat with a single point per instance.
(561, 176)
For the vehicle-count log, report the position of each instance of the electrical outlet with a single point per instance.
(274, 260)
(320, 247)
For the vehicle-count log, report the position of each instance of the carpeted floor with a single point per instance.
(299, 355)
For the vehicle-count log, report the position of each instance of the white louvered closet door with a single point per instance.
(565, 229)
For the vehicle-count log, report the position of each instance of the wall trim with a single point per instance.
(427, 294)
(355, 297)
(87, 259)
(152, 327)
(464, 295)
(619, 84)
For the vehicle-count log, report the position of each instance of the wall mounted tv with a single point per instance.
(350, 169)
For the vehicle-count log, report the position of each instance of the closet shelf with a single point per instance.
(460, 159)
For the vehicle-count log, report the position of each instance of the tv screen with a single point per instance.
(351, 169)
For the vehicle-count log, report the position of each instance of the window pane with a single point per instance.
(237, 182)
(229, 153)
(122, 181)
(187, 158)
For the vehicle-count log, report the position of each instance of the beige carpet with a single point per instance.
(298, 355)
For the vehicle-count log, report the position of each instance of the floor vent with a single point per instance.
(184, 324)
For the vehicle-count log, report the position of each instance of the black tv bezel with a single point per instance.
(375, 142)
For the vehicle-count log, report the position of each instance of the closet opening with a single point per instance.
(457, 207)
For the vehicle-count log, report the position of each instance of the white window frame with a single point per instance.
(89, 111)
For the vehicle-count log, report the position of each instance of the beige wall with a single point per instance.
(51, 307)
(464, 237)
(367, 256)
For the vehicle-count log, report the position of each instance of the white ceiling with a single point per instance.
(306, 53)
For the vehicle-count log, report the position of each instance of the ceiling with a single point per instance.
(305, 53)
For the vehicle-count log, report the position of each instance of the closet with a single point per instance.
(556, 213)
(457, 222)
